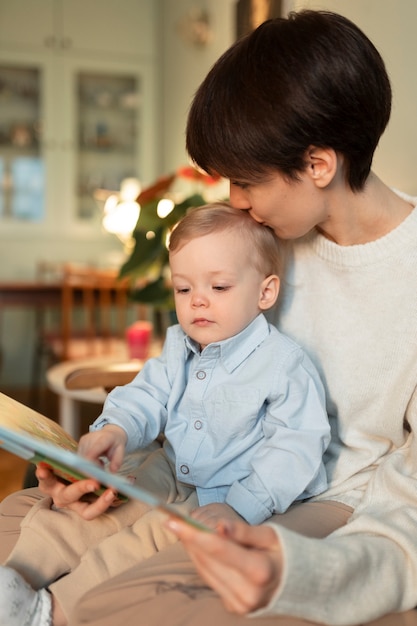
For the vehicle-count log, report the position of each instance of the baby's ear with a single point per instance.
(269, 292)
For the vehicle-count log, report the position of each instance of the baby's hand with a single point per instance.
(109, 441)
(211, 514)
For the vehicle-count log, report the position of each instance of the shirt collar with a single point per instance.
(236, 349)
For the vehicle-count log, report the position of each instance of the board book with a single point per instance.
(38, 439)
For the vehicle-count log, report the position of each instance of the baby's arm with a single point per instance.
(109, 441)
(211, 514)
(288, 462)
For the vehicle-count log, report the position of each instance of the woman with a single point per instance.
(292, 114)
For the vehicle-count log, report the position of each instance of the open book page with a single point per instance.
(20, 418)
(38, 439)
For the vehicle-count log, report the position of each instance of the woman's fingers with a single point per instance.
(241, 563)
(262, 537)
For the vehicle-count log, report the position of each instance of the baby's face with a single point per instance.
(216, 287)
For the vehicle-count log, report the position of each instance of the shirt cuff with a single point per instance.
(247, 505)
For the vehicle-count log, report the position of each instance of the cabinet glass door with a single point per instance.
(108, 127)
(22, 176)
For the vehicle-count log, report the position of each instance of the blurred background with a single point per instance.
(94, 92)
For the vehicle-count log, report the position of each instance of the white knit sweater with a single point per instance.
(355, 312)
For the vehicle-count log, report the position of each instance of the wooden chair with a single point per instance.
(92, 319)
(76, 384)
(89, 380)
(107, 376)
(94, 314)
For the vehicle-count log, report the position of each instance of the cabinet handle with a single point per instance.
(50, 41)
(66, 43)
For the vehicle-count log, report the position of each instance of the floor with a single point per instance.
(12, 473)
(12, 468)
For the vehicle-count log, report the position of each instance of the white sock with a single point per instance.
(20, 605)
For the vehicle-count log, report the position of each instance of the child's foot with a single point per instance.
(20, 605)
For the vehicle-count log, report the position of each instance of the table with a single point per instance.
(33, 295)
(30, 293)
(69, 398)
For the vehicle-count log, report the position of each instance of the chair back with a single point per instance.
(91, 321)
(93, 312)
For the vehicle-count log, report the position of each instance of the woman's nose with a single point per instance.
(238, 198)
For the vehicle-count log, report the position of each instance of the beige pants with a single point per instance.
(57, 548)
(165, 589)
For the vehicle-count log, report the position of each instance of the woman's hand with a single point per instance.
(78, 496)
(242, 563)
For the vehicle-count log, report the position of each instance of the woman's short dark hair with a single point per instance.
(313, 78)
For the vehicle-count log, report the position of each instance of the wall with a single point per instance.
(390, 24)
(184, 66)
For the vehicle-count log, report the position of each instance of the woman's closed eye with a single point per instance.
(240, 184)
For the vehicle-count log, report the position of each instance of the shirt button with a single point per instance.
(201, 375)
(184, 469)
(198, 425)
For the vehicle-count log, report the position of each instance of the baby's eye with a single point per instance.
(220, 287)
(182, 290)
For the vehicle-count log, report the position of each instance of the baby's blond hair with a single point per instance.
(220, 216)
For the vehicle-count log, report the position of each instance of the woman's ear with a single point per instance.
(269, 292)
(322, 165)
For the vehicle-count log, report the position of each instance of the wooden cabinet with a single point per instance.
(78, 95)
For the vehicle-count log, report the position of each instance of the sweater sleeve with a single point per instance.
(367, 568)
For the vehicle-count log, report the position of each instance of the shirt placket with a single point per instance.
(197, 387)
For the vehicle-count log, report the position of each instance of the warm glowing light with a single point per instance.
(164, 208)
(121, 211)
(129, 189)
(111, 203)
(121, 219)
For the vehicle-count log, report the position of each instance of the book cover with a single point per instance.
(18, 418)
(38, 439)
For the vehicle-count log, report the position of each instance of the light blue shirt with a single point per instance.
(244, 420)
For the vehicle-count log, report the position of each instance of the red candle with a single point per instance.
(139, 337)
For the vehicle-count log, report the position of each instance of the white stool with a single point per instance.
(68, 400)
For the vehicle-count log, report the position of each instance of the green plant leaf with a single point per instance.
(148, 218)
(149, 257)
(182, 208)
(156, 293)
(146, 253)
